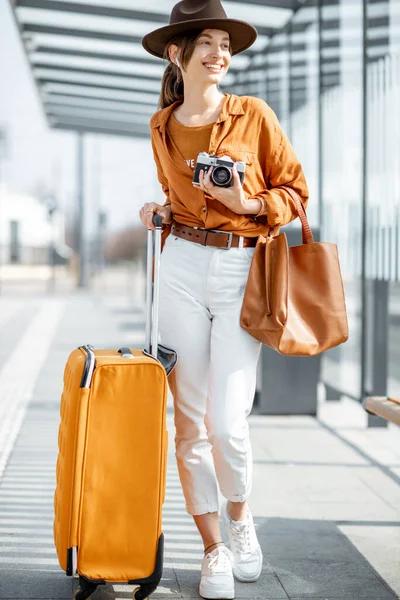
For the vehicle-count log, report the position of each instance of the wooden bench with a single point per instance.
(387, 408)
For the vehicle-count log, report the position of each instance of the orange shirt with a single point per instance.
(188, 141)
(248, 130)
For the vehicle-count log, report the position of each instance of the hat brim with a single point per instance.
(242, 34)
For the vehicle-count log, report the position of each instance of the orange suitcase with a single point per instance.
(111, 468)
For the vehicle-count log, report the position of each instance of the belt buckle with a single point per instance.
(228, 233)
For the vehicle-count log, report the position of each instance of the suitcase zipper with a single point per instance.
(150, 356)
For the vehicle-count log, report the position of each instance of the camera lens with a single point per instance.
(221, 176)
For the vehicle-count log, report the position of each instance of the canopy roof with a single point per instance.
(89, 65)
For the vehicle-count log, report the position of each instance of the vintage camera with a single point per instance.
(222, 172)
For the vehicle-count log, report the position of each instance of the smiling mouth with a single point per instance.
(213, 68)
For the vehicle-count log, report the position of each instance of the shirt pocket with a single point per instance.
(238, 154)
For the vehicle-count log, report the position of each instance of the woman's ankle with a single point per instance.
(237, 510)
(212, 547)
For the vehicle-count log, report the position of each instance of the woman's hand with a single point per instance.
(147, 211)
(232, 197)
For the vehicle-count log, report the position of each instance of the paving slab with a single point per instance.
(34, 585)
(380, 546)
(311, 558)
(326, 512)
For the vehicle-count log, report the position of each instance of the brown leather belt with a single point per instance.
(212, 237)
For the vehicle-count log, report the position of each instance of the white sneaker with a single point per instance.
(216, 575)
(244, 545)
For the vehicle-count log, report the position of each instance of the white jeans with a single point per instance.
(213, 384)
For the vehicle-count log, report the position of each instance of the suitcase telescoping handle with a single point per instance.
(153, 290)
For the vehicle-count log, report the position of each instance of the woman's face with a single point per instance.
(211, 57)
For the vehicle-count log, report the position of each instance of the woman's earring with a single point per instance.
(177, 62)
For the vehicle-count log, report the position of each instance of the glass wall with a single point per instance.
(342, 153)
(277, 78)
(303, 99)
(383, 215)
(312, 75)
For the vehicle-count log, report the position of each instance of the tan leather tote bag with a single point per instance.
(294, 298)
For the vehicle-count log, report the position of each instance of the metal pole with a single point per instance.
(81, 211)
(53, 253)
(364, 323)
(380, 341)
(267, 55)
(320, 123)
(52, 250)
(290, 74)
(95, 243)
(102, 236)
(97, 204)
(3, 152)
(1, 236)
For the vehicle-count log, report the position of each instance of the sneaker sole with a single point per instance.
(216, 594)
(244, 578)
(248, 578)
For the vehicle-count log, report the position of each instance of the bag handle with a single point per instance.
(305, 226)
(153, 291)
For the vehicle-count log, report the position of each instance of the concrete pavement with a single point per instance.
(326, 492)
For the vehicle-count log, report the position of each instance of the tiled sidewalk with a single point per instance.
(326, 494)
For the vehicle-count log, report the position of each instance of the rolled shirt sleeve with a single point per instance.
(161, 177)
(281, 167)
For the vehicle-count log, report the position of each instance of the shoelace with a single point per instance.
(219, 561)
(242, 537)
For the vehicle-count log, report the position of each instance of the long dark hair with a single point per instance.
(172, 82)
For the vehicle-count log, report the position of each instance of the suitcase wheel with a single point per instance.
(81, 595)
(142, 592)
(84, 590)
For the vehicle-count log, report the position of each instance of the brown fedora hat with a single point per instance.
(200, 14)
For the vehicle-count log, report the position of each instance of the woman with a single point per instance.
(206, 258)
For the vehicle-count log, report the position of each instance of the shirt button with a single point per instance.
(204, 208)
